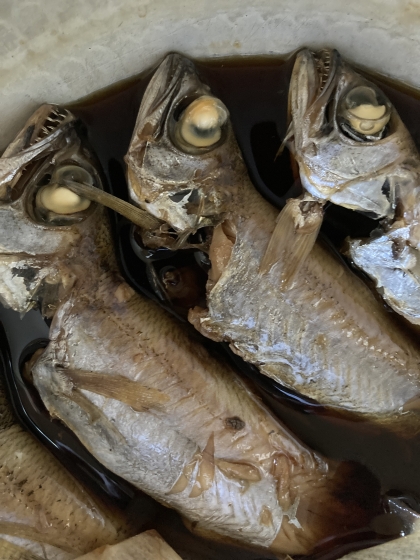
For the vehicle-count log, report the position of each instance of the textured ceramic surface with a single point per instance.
(61, 50)
(406, 548)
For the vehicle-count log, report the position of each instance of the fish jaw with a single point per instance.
(43, 133)
(186, 190)
(311, 86)
(361, 175)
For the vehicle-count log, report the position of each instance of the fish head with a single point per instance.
(349, 141)
(41, 221)
(183, 161)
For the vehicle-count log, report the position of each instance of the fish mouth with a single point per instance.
(56, 117)
(324, 64)
(312, 87)
(42, 134)
(43, 123)
(322, 70)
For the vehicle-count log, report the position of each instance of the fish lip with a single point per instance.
(45, 122)
(324, 64)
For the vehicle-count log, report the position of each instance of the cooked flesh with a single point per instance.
(150, 403)
(323, 333)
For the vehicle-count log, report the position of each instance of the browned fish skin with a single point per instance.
(326, 336)
(150, 543)
(42, 508)
(181, 426)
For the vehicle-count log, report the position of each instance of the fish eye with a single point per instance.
(55, 203)
(200, 125)
(365, 110)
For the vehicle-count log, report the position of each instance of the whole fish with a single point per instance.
(326, 336)
(353, 149)
(145, 398)
(44, 512)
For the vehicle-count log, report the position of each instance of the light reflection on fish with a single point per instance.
(44, 512)
(326, 336)
(147, 400)
(353, 149)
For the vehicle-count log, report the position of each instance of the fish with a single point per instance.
(149, 544)
(142, 393)
(326, 336)
(44, 512)
(353, 149)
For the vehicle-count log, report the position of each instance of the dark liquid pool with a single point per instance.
(255, 91)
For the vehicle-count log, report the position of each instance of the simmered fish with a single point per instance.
(147, 400)
(44, 512)
(146, 546)
(353, 149)
(326, 336)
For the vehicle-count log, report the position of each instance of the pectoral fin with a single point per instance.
(206, 471)
(412, 405)
(117, 387)
(293, 237)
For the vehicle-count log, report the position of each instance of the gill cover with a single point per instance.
(38, 217)
(179, 165)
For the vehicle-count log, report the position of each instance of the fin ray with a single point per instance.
(294, 235)
(117, 387)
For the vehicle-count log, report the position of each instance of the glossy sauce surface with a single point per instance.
(255, 91)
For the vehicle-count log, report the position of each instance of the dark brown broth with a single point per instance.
(255, 91)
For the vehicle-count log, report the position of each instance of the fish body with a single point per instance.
(149, 402)
(326, 336)
(44, 512)
(149, 544)
(378, 174)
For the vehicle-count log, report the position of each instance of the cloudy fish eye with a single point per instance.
(200, 125)
(56, 197)
(364, 111)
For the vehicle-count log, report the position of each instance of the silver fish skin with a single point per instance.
(44, 512)
(326, 336)
(380, 176)
(152, 405)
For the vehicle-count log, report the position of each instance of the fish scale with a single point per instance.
(41, 505)
(325, 335)
(150, 402)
